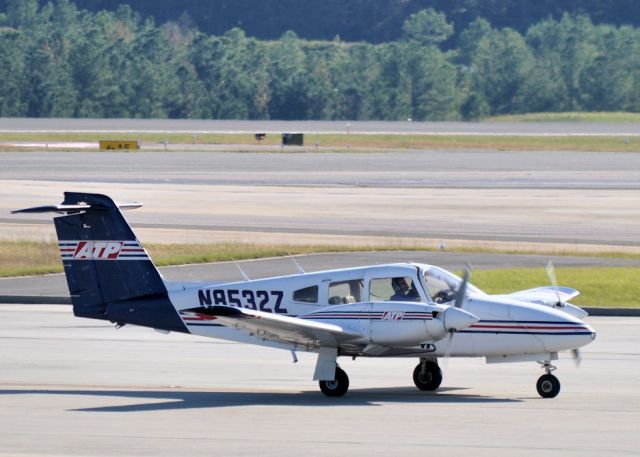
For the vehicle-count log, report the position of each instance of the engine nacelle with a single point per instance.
(398, 324)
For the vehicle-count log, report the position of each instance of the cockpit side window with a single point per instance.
(400, 288)
(345, 292)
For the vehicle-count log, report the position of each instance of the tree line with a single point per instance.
(60, 61)
(373, 21)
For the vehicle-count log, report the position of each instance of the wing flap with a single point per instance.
(278, 328)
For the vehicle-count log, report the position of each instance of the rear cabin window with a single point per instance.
(345, 292)
(306, 295)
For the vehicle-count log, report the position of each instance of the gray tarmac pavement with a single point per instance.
(399, 169)
(74, 386)
(568, 198)
(278, 127)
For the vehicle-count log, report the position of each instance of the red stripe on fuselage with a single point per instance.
(532, 327)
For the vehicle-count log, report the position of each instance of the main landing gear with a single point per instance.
(548, 385)
(338, 387)
(427, 375)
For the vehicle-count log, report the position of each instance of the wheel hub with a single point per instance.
(332, 384)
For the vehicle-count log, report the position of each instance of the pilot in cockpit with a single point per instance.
(402, 290)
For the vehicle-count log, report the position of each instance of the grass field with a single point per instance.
(603, 287)
(348, 142)
(24, 258)
(607, 287)
(568, 117)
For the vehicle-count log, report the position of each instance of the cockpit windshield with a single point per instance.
(443, 285)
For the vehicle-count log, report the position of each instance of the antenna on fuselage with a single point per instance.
(244, 275)
(300, 269)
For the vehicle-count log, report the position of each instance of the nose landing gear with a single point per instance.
(427, 375)
(548, 385)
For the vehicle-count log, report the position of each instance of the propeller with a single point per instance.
(462, 290)
(456, 318)
(577, 356)
(551, 274)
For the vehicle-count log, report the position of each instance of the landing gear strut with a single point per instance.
(427, 375)
(338, 387)
(548, 385)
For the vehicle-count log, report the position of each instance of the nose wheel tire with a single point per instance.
(427, 376)
(338, 387)
(548, 386)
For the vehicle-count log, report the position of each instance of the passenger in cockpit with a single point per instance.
(402, 290)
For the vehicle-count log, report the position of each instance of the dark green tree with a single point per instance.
(610, 81)
(427, 27)
(499, 72)
(569, 45)
(392, 88)
(21, 13)
(433, 84)
(287, 79)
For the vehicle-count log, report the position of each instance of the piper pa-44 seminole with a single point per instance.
(395, 310)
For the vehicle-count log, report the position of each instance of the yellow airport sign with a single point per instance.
(119, 145)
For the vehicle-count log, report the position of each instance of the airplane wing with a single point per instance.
(545, 295)
(278, 328)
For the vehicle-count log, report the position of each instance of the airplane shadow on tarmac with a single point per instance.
(181, 399)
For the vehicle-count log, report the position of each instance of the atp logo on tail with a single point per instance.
(102, 250)
(106, 250)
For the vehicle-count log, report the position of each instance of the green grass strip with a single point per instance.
(599, 286)
(348, 142)
(569, 117)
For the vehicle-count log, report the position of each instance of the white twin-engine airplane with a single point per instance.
(396, 310)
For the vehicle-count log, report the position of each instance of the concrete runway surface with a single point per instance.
(74, 386)
(278, 127)
(569, 199)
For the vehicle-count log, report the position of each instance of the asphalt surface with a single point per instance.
(74, 386)
(565, 198)
(485, 170)
(278, 127)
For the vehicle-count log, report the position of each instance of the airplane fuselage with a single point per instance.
(506, 328)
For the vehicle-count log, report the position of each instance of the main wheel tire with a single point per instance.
(338, 387)
(430, 379)
(548, 386)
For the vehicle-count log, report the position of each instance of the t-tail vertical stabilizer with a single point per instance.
(109, 274)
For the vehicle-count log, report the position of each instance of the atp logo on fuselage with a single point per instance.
(104, 250)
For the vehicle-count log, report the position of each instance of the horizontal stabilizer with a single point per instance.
(71, 209)
(54, 209)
